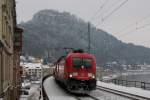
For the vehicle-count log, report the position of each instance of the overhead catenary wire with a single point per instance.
(135, 23)
(139, 24)
(109, 8)
(135, 29)
(113, 11)
(107, 16)
(99, 9)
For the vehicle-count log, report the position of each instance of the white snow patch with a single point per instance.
(131, 90)
(26, 84)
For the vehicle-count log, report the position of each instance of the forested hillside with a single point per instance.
(50, 30)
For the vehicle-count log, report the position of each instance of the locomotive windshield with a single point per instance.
(78, 62)
(87, 63)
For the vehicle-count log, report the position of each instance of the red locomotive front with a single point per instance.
(77, 71)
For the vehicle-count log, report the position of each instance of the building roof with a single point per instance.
(34, 65)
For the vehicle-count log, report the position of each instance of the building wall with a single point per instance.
(0, 20)
(0, 73)
(7, 31)
(16, 75)
(37, 72)
(0, 47)
(47, 71)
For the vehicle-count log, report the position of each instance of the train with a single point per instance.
(76, 71)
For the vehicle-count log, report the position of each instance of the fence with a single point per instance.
(127, 83)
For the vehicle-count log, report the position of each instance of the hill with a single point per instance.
(49, 29)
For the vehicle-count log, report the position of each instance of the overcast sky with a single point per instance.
(134, 14)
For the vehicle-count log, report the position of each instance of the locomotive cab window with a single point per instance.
(77, 62)
(87, 63)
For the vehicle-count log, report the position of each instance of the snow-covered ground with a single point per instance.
(24, 97)
(109, 77)
(101, 95)
(136, 73)
(54, 92)
(131, 90)
(34, 93)
(25, 84)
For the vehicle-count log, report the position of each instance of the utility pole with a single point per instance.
(48, 55)
(89, 37)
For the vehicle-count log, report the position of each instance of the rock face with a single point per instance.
(51, 30)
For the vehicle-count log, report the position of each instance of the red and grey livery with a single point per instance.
(77, 71)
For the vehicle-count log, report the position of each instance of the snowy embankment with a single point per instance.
(130, 90)
(110, 77)
(115, 76)
(136, 73)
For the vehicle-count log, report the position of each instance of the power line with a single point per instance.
(111, 6)
(100, 9)
(106, 17)
(117, 8)
(135, 23)
(89, 37)
(135, 29)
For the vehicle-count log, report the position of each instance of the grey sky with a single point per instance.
(132, 11)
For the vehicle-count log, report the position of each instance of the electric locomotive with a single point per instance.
(77, 71)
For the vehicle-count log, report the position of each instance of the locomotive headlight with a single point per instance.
(90, 74)
(74, 74)
(93, 76)
(70, 75)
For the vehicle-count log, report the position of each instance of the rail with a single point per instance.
(123, 94)
(93, 97)
(45, 96)
(88, 96)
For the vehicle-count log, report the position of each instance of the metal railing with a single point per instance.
(127, 83)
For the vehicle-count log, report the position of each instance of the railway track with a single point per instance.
(89, 97)
(93, 97)
(123, 94)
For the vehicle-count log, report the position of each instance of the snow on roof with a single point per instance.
(131, 90)
(45, 66)
(22, 58)
(32, 65)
